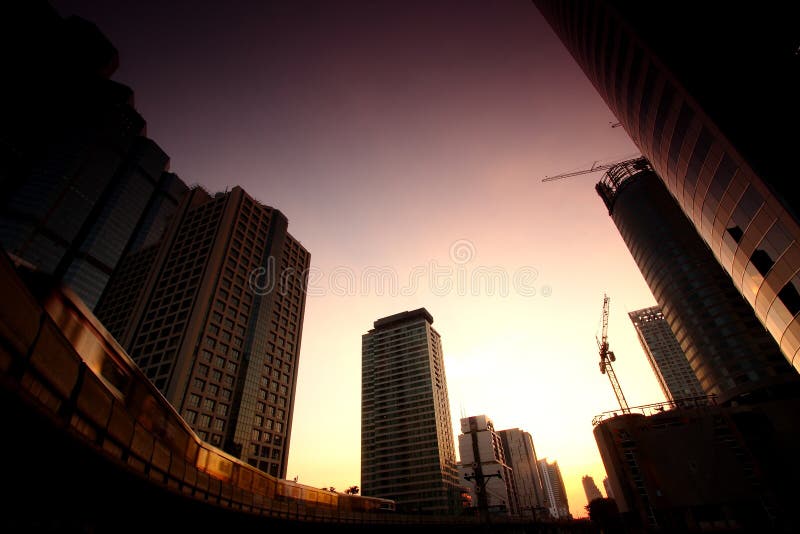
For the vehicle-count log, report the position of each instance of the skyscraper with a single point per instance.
(218, 320)
(591, 489)
(521, 457)
(483, 467)
(80, 183)
(407, 446)
(707, 109)
(554, 490)
(669, 363)
(730, 352)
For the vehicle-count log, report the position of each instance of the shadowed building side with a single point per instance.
(80, 182)
(708, 467)
(218, 321)
(590, 489)
(521, 457)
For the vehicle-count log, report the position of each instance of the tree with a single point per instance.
(352, 490)
(604, 513)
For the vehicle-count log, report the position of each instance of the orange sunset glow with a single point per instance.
(406, 144)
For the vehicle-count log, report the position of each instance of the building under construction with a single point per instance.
(729, 350)
(707, 467)
(723, 461)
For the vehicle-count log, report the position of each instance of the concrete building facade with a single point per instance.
(483, 467)
(590, 489)
(554, 490)
(217, 321)
(673, 372)
(521, 457)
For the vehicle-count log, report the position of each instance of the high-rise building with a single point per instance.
(607, 487)
(483, 467)
(80, 183)
(218, 320)
(731, 353)
(669, 363)
(521, 457)
(554, 490)
(707, 110)
(591, 489)
(407, 445)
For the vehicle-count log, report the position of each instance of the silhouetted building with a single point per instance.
(407, 446)
(554, 490)
(707, 109)
(218, 321)
(591, 489)
(483, 467)
(607, 487)
(731, 353)
(80, 183)
(704, 468)
(521, 457)
(669, 363)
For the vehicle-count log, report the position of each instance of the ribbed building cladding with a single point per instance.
(407, 445)
(706, 108)
(217, 321)
(729, 351)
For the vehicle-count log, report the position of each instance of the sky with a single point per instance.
(406, 143)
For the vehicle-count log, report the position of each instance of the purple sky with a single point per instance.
(387, 132)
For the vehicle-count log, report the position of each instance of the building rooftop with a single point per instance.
(404, 317)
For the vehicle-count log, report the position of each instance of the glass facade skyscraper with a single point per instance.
(730, 352)
(708, 93)
(407, 445)
(80, 182)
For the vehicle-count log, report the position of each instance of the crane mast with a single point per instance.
(607, 356)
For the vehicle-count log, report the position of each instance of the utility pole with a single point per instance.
(480, 479)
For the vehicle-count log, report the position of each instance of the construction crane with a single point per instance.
(607, 356)
(596, 166)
